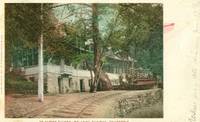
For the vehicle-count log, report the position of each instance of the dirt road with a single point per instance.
(74, 105)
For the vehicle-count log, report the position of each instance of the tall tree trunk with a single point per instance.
(40, 62)
(96, 47)
(91, 73)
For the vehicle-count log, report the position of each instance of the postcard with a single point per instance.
(100, 61)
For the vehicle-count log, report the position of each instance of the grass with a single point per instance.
(153, 111)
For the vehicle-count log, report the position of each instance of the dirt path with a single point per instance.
(82, 108)
(74, 105)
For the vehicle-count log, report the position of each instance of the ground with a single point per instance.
(73, 105)
(152, 111)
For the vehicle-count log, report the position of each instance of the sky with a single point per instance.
(70, 13)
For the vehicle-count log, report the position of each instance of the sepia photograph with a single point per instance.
(84, 60)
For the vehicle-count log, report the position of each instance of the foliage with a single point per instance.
(19, 27)
(143, 35)
(81, 58)
(18, 84)
(23, 25)
(132, 30)
(19, 24)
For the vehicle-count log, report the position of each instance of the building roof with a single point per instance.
(116, 56)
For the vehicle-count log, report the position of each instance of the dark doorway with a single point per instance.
(82, 86)
(59, 84)
(70, 82)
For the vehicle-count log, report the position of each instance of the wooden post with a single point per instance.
(40, 63)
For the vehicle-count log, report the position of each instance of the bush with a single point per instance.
(19, 84)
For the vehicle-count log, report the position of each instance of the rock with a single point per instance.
(128, 103)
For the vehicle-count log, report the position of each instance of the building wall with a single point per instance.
(76, 81)
(57, 84)
(52, 83)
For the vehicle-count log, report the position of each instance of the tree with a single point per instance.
(143, 40)
(21, 27)
(127, 28)
(95, 38)
(90, 23)
(130, 30)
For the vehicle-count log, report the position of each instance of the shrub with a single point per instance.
(19, 84)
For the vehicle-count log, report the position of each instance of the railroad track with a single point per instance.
(83, 108)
